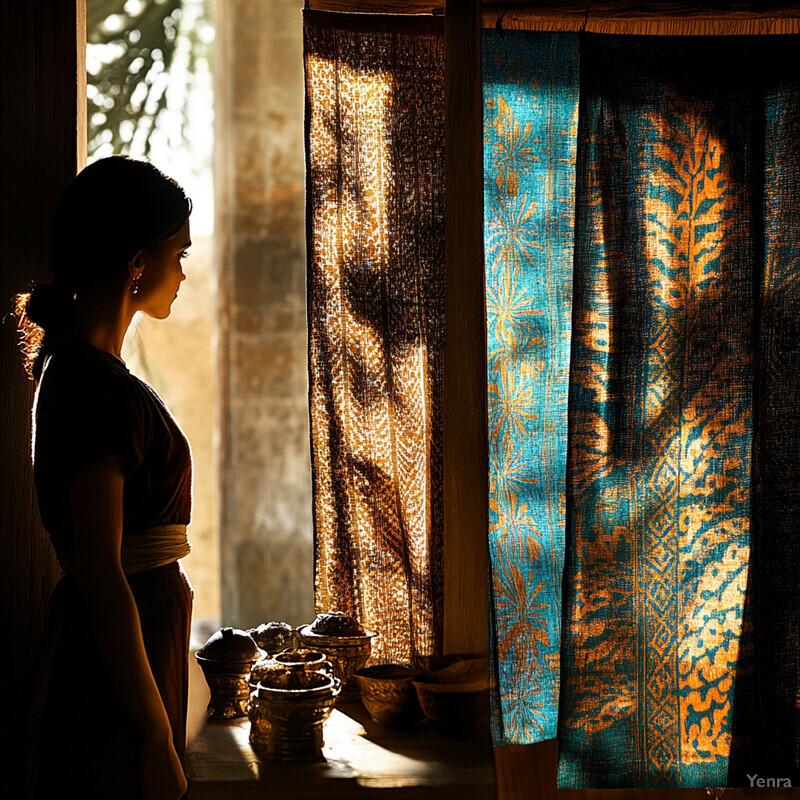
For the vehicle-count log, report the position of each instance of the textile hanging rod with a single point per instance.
(605, 16)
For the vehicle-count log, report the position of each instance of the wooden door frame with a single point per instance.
(42, 146)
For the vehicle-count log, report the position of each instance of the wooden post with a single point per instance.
(42, 146)
(466, 600)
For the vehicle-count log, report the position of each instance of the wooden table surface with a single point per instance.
(363, 759)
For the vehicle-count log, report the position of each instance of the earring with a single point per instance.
(135, 285)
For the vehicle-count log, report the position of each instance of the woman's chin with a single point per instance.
(157, 313)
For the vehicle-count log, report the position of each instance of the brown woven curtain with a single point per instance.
(375, 226)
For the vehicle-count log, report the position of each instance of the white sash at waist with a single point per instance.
(152, 548)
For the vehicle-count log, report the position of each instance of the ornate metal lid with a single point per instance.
(230, 644)
(272, 637)
(334, 629)
(336, 623)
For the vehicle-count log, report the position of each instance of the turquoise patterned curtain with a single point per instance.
(662, 301)
(529, 197)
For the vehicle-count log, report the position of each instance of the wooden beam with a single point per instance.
(465, 426)
(379, 6)
(81, 110)
(652, 18)
(605, 16)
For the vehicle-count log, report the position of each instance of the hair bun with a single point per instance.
(51, 307)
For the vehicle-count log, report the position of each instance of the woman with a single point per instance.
(113, 481)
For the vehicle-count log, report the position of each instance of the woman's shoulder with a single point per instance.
(89, 381)
(75, 360)
(87, 407)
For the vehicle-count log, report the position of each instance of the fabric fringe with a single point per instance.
(648, 25)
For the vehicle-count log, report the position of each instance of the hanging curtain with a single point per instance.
(766, 720)
(530, 90)
(375, 227)
(684, 381)
(643, 298)
(661, 410)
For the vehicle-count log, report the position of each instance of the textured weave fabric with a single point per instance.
(530, 134)
(375, 204)
(681, 436)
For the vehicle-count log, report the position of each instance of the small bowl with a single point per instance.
(295, 684)
(464, 670)
(435, 663)
(303, 660)
(389, 695)
(456, 698)
(289, 661)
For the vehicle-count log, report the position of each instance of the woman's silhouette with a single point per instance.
(113, 481)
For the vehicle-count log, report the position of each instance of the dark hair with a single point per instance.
(112, 210)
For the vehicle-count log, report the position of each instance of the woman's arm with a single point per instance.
(96, 498)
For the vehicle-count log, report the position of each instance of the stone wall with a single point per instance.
(265, 513)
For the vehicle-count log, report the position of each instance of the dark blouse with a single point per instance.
(88, 407)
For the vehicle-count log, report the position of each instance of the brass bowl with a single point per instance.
(260, 670)
(272, 637)
(436, 663)
(346, 653)
(389, 695)
(465, 669)
(290, 661)
(456, 698)
(259, 726)
(303, 660)
(290, 709)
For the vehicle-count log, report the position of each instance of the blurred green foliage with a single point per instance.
(132, 44)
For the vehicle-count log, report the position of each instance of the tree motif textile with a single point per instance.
(674, 356)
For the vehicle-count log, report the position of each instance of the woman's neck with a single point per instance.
(102, 318)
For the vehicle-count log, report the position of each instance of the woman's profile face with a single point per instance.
(162, 275)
